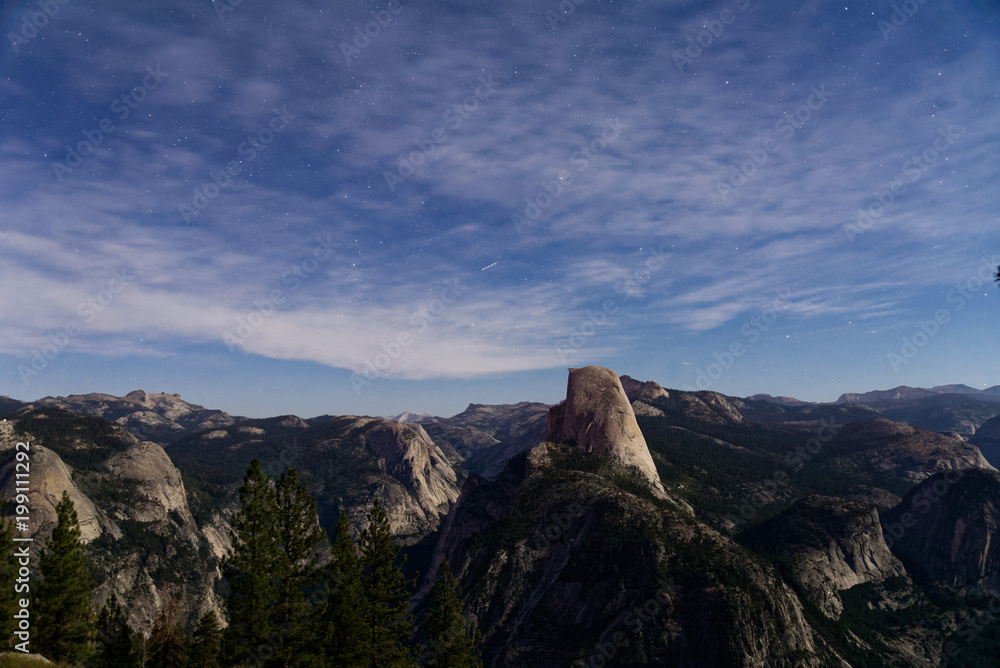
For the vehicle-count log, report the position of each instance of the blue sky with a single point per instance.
(371, 207)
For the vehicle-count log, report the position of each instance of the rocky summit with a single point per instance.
(597, 416)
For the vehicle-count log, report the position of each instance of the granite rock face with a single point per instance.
(829, 545)
(948, 528)
(161, 483)
(50, 477)
(642, 391)
(407, 453)
(987, 439)
(597, 416)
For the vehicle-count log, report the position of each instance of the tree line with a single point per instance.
(284, 609)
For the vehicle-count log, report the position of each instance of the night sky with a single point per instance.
(370, 207)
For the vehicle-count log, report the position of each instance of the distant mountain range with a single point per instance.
(906, 393)
(958, 408)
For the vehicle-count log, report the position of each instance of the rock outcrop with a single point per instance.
(642, 391)
(829, 545)
(987, 439)
(50, 477)
(597, 416)
(159, 480)
(132, 507)
(159, 417)
(407, 453)
(900, 450)
(948, 527)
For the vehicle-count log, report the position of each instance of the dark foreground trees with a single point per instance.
(64, 620)
(451, 640)
(284, 610)
(352, 613)
(388, 627)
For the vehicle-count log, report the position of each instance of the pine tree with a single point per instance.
(206, 643)
(342, 623)
(451, 641)
(299, 533)
(387, 592)
(250, 569)
(116, 641)
(167, 647)
(8, 596)
(63, 616)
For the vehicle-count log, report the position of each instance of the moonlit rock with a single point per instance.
(597, 415)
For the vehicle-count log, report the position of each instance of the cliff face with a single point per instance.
(643, 391)
(160, 482)
(597, 416)
(829, 545)
(50, 477)
(948, 527)
(987, 439)
(406, 452)
(132, 507)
